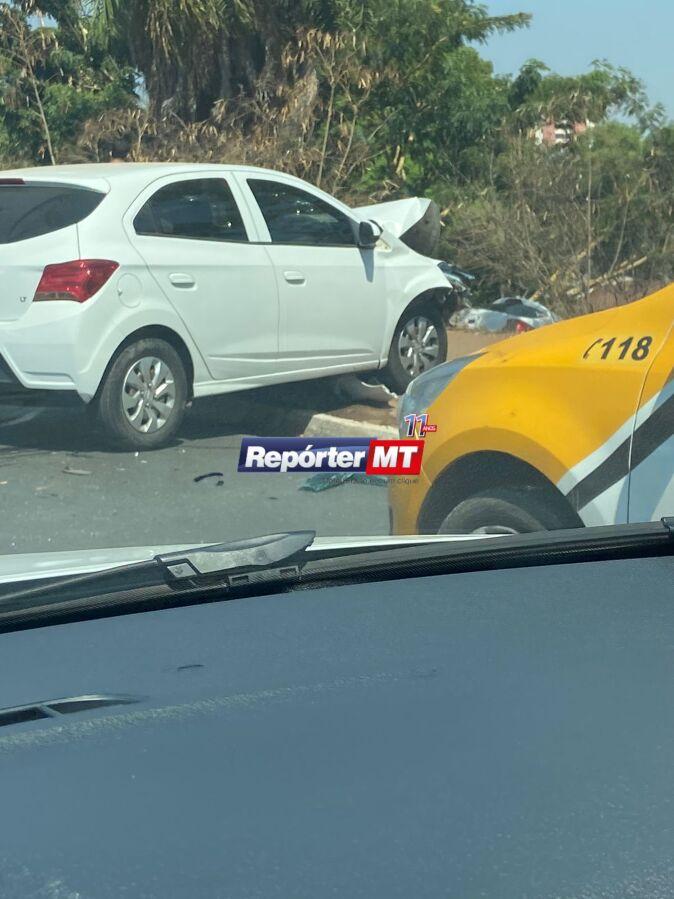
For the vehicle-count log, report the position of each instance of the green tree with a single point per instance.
(537, 95)
(54, 76)
(438, 113)
(193, 53)
(560, 222)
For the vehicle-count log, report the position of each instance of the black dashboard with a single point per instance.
(486, 734)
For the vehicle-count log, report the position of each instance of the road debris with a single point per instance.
(211, 474)
(77, 471)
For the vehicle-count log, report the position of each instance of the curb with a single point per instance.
(325, 425)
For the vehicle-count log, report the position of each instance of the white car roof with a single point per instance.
(125, 171)
(128, 179)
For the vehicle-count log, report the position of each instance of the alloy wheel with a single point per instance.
(148, 394)
(418, 345)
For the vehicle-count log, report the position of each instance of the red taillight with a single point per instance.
(11, 181)
(78, 280)
(521, 327)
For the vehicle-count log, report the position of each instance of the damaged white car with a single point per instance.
(137, 287)
(512, 314)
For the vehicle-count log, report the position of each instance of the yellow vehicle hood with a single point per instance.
(553, 396)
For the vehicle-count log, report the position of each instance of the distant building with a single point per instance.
(559, 134)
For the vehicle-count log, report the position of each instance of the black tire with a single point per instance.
(394, 375)
(111, 414)
(503, 511)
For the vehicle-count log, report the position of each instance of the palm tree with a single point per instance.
(191, 53)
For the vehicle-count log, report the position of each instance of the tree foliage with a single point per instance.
(561, 222)
(54, 76)
(370, 100)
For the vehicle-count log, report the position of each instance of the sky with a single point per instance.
(568, 34)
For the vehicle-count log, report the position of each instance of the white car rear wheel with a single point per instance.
(144, 395)
(148, 394)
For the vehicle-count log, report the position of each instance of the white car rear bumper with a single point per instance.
(40, 350)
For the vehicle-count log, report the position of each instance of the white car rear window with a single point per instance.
(28, 210)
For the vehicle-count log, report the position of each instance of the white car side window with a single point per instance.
(196, 209)
(294, 216)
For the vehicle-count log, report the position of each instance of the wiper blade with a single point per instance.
(272, 557)
(280, 561)
(238, 560)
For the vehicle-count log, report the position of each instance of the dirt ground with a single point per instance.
(459, 343)
(463, 343)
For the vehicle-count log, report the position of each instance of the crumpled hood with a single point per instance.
(415, 221)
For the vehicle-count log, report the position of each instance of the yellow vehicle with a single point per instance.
(566, 426)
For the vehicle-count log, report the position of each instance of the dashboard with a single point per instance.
(497, 733)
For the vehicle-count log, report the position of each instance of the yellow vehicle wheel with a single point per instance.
(502, 511)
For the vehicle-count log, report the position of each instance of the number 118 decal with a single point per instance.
(636, 348)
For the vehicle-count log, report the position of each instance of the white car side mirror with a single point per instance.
(368, 234)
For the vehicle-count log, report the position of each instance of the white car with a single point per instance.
(138, 287)
(507, 314)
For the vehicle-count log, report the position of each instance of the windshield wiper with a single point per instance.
(239, 562)
(273, 557)
(278, 562)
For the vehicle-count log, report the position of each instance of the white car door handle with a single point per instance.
(294, 277)
(180, 279)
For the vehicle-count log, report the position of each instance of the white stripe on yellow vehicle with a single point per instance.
(652, 452)
(644, 491)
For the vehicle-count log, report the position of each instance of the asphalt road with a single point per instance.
(62, 488)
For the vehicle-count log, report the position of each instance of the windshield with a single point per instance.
(369, 270)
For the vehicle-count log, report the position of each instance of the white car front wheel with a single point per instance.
(419, 343)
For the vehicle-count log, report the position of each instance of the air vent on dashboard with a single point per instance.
(54, 708)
